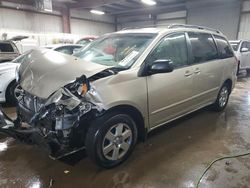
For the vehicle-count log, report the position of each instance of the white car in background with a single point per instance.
(8, 51)
(8, 78)
(242, 51)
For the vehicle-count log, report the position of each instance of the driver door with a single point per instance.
(170, 94)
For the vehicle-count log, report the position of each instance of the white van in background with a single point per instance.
(242, 52)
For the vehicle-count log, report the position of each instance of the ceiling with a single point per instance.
(119, 7)
(122, 7)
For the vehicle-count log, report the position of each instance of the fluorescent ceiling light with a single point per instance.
(97, 12)
(149, 2)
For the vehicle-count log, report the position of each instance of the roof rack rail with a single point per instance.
(172, 26)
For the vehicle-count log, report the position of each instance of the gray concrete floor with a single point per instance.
(173, 156)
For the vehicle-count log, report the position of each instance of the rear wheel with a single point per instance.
(222, 98)
(111, 139)
(9, 95)
(248, 71)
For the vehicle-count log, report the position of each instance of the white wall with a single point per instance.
(166, 19)
(47, 29)
(244, 30)
(29, 21)
(85, 23)
(87, 15)
(163, 20)
(84, 27)
(224, 17)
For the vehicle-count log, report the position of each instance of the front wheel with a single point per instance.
(222, 98)
(111, 139)
(10, 96)
(248, 71)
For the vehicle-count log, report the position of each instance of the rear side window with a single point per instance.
(6, 47)
(224, 48)
(203, 47)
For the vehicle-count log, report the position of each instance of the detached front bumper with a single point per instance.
(11, 128)
(32, 135)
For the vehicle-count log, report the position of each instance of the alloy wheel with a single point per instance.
(223, 97)
(117, 141)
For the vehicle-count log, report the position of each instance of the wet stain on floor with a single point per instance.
(173, 156)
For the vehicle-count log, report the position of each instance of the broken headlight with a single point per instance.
(71, 95)
(79, 87)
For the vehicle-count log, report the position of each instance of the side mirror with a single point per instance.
(244, 50)
(160, 66)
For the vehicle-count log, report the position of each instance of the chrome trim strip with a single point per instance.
(161, 124)
(183, 101)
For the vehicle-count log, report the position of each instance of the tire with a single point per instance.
(238, 70)
(248, 71)
(9, 95)
(117, 132)
(222, 98)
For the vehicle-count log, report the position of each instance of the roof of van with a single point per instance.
(235, 41)
(173, 27)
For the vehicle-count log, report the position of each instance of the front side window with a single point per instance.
(116, 50)
(6, 47)
(224, 48)
(203, 47)
(173, 48)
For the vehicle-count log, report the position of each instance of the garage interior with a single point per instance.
(174, 155)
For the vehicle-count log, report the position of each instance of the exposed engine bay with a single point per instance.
(56, 101)
(57, 123)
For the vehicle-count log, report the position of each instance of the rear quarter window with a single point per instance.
(224, 48)
(6, 47)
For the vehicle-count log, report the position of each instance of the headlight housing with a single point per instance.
(79, 87)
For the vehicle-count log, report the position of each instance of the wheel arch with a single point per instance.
(229, 82)
(136, 115)
(8, 86)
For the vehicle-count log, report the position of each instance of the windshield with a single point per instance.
(116, 50)
(84, 41)
(235, 45)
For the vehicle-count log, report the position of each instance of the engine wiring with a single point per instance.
(216, 160)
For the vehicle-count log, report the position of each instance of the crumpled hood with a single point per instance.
(5, 67)
(45, 71)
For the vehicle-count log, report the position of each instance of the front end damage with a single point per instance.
(58, 123)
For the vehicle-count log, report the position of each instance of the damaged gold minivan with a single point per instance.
(118, 88)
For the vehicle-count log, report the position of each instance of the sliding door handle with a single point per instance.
(197, 71)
